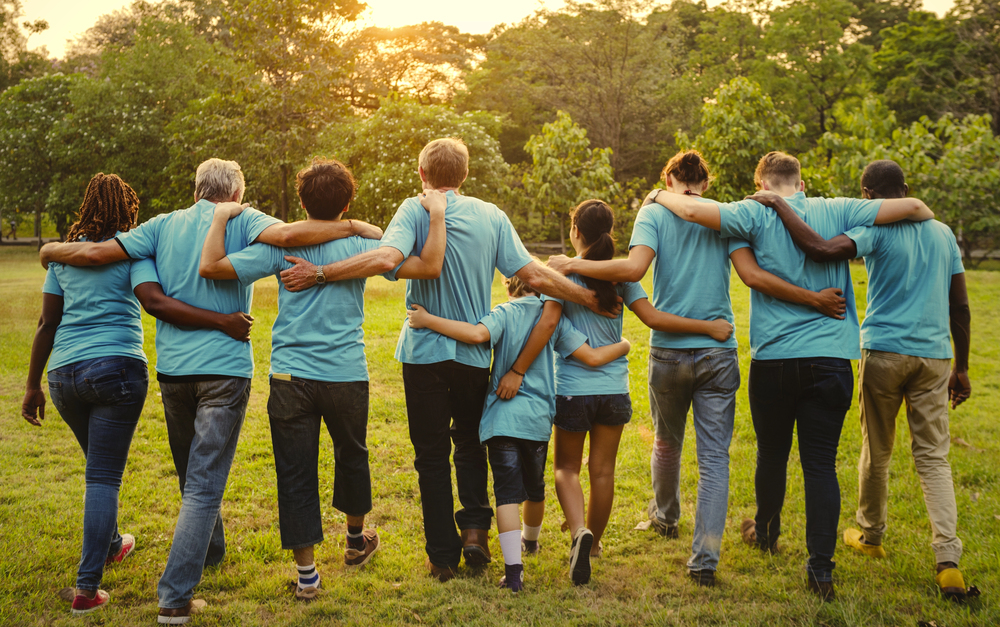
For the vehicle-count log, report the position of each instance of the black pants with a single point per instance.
(444, 404)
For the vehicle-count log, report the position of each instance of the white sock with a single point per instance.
(530, 533)
(510, 544)
(308, 576)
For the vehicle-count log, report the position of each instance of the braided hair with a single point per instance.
(109, 205)
(595, 222)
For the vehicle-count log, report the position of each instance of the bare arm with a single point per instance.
(311, 232)
(619, 270)
(428, 264)
(595, 357)
(510, 383)
(687, 208)
(829, 302)
(896, 209)
(236, 325)
(719, 330)
(959, 387)
(303, 274)
(82, 253)
(41, 348)
(546, 281)
(418, 318)
(214, 264)
(809, 241)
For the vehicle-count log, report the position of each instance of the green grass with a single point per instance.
(640, 579)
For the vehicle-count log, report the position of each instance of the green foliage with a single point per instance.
(16, 61)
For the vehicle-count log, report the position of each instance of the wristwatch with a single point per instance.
(653, 194)
(320, 277)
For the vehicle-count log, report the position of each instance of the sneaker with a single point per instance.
(180, 615)
(513, 578)
(82, 604)
(824, 589)
(360, 557)
(128, 545)
(949, 579)
(856, 540)
(305, 594)
(579, 557)
(530, 547)
(670, 532)
(704, 577)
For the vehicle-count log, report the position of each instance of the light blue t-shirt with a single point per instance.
(318, 332)
(910, 265)
(175, 240)
(783, 330)
(690, 274)
(529, 414)
(101, 315)
(575, 378)
(480, 239)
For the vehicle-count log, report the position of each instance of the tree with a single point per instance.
(875, 15)
(978, 29)
(16, 61)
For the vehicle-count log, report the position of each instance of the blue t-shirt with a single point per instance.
(480, 239)
(910, 265)
(101, 315)
(529, 414)
(318, 332)
(175, 240)
(690, 274)
(783, 330)
(575, 378)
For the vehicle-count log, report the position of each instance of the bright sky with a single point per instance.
(69, 18)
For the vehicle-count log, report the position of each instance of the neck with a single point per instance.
(685, 189)
(785, 190)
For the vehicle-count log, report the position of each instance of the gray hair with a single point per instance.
(217, 180)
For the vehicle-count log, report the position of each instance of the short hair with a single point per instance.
(777, 168)
(688, 167)
(445, 162)
(325, 187)
(885, 178)
(516, 287)
(217, 180)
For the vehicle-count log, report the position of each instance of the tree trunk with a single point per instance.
(562, 233)
(283, 194)
(38, 225)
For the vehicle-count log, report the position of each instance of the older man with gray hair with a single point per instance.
(204, 374)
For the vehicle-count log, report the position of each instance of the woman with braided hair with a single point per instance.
(90, 332)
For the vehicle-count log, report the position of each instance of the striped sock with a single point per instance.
(308, 577)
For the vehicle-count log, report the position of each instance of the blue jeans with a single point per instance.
(101, 400)
(706, 378)
(203, 424)
(815, 394)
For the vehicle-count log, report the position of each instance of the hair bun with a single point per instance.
(691, 158)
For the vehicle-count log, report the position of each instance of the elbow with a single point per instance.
(635, 275)
(204, 272)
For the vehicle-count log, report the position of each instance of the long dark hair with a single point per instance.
(595, 222)
(109, 206)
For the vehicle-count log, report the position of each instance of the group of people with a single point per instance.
(556, 348)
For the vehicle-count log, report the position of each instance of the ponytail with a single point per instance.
(595, 222)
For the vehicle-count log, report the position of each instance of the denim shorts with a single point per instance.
(518, 469)
(581, 413)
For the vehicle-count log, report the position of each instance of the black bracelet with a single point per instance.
(520, 374)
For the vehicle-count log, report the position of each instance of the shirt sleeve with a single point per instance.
(736, 243)
(511, 254)
(864, 238)
(645, 231)
(140, 242)
(544, 298)
(258, 261)
(631, 292)
(254, 223)
(567, 339)
(143, 271)
(494, 323)
(957, 267)
(739, 219)
(401, 233)
(51, 285)
(859, 212)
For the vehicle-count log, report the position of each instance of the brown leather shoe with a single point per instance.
(748, 531)
(180, 615)
(824, 589)
(441, 573)
(476, 547)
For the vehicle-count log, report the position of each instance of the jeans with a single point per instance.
(814, 393)
(203, 424)
(444, 404)
(707, 379)
(518, 469)
(296, 410)
(101, 400)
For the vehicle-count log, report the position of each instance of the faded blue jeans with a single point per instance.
(204, 419)
(101, 400)
(706, 378)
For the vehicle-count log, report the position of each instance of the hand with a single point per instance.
(237, 325)
(594, 305)
(721, 329)
(230, 209)
(560, 263)
(433, 201)
(765, 197)
(300, 276)
(34, 399)
(45, 254)
(510, 383)
(365, 230)
(959, 388)
(417, 317)
(831, 302)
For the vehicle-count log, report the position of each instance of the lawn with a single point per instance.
(640, 579)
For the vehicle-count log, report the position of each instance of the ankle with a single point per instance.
(946, 565)
(90, 594)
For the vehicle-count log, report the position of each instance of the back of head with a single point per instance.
(109, 205)
(217, 180)
(516, 287)
(884, 179)
(445, 162)
(688, 167)
(595, 221)
(777, 169)
(325, 187)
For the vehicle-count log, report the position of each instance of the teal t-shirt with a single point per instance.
(910, 265)
(529, 414)
(481, 239)
(575, 378)
(175, 240)
(783, 330)
(101, 315)
(690, 274)
(318, 332)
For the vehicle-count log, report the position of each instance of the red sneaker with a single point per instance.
(84, 605)
(128, 545)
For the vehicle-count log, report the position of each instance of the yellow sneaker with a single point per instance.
(951, 583)
(856, 540)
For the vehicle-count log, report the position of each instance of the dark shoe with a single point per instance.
(180, 615)
(823, 589)
(670, 532)
(530, 547)
(476, 547)
(441, 573)
(513, 578)
(748, 531)
(579, 557)
(360, 557)
(703, 577)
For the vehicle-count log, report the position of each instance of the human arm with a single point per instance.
(808, 240)
(41, 348)
(719, 330)
(960, 318)
(595, 357)
(214, 264)
(896, 209)
(705, 213)
(829, 302)
(618, 270)
(311, 232)
(236, 325)
(543, 280)
(82, 253)
(419, 318)
(510, 383)
(428, 264)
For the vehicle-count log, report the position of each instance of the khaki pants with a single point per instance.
(885, 380)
